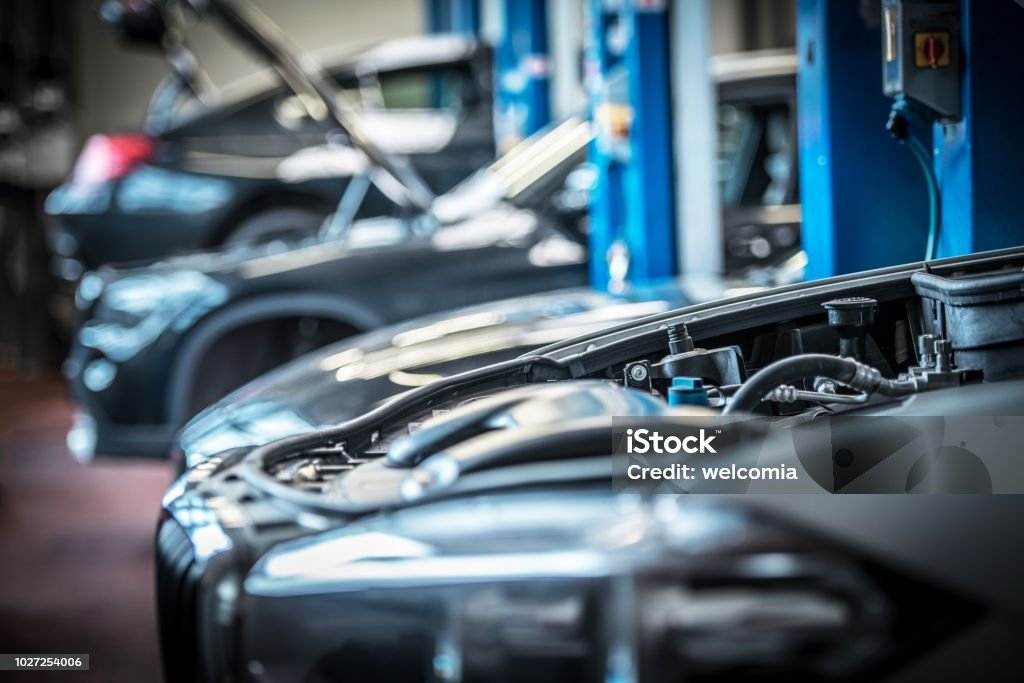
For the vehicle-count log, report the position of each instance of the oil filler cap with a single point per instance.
(851, 318)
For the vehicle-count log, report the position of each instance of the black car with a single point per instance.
(162, 342)
(245, 164)
(157, 344)
(471, 529)
(134, 406)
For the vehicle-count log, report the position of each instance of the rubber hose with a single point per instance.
(788, 371)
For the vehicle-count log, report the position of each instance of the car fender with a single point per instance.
(251, 310)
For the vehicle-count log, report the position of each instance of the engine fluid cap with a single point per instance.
(687, 391)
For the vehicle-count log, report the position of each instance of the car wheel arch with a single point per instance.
(261, 201)
(265, 308)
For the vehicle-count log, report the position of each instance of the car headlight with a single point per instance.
(147, 304)
(145, 293)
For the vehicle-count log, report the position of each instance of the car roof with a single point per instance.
(413, 51)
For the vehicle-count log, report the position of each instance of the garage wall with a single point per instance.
(111, 84)
(738, 25)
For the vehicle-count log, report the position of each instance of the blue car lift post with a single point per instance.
(865, 203)
(522, 71)
(632, 222)
(519, 31)
(453, 16)
(979, 159)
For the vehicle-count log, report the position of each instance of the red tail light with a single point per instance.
(108, 157)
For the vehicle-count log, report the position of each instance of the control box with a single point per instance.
(921, 54)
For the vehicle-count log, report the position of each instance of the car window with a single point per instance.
(755, 154)
(448, 88)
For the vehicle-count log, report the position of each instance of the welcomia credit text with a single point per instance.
(651, 442)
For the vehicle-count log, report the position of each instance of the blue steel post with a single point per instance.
(632, 213)
(453, 16)
(522, 92)
(606, 203)
(979, 158)
(865, 203)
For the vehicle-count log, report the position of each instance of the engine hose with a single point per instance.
(846, 371)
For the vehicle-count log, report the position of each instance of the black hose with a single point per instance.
(789, 370)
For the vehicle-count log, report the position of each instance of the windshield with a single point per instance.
(756, 159)
(527, 174)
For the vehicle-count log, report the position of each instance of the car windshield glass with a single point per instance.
(530, 171)
(755, 154)
(414, 89)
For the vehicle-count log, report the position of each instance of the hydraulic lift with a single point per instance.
(632, 233)
(949, 67)
(865, 196)
(453, 16)
(518, 30)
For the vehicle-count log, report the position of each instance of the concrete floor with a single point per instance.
(76, 567)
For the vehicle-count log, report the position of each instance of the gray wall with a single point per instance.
(112, 83)
(738, 25)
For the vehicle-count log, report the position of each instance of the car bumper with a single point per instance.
(100, 427)
(88, 438)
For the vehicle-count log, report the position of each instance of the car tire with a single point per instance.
(285, 223)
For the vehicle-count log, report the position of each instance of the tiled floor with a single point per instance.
(76, 571)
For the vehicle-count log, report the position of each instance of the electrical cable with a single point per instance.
(899, 126)
(934, 203)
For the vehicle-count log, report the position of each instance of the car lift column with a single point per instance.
(701, 248)
(519, 31)
(565, 44)
(865, 202)
(453, 16)
(978, 159)
(632, 235)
